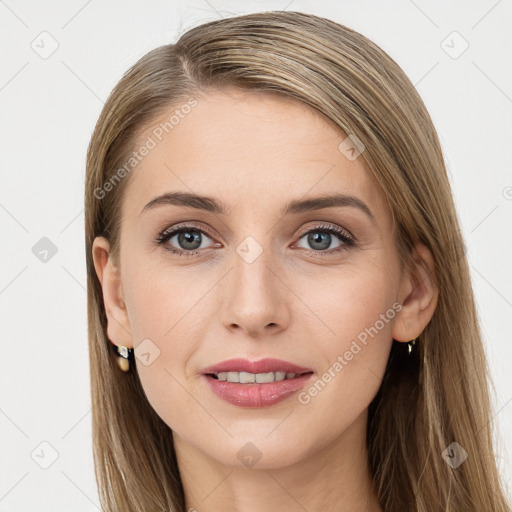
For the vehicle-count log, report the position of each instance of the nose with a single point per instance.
(255, 294)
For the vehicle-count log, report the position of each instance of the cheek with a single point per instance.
(352, 321)
(345, 303)
(160, 299)
(167, 325)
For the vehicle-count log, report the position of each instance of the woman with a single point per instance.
(275, 261)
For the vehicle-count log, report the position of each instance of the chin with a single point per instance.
(259, 452)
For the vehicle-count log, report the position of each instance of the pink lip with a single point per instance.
(262, 366)
(256, 395)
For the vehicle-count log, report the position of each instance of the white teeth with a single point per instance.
(265, 377)
(248, 378)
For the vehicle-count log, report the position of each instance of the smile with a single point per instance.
(254, 378)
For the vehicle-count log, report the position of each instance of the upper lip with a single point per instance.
(262, 366)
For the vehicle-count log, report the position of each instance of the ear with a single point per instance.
(118, 325)
(418, 296)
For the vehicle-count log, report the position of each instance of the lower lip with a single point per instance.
(257, 395)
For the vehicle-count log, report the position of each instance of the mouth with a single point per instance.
(256, 384)
(255, 378)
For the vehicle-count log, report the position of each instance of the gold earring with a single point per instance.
(411, 344)
(123, 359)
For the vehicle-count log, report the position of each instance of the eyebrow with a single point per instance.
(212, 205)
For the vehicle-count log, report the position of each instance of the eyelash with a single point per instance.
(348, 240)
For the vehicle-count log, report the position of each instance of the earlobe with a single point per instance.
(118, 326)
(418, 294)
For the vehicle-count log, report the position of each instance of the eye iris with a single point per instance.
(314, 238)
(189, 237)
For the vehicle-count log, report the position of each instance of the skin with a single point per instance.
(254, 152)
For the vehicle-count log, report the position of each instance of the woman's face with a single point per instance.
(256, 280)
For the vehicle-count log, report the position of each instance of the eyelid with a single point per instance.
(326, 225)
(187, 224)
(306, 229)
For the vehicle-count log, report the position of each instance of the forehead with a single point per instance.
(242, 146)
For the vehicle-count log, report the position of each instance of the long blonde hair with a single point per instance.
(437, 396)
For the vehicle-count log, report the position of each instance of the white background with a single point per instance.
(48, 108)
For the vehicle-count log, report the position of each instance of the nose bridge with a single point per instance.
(251, 261)
(255, 293)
